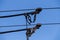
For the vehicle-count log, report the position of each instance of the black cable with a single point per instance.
(13, 31)
(29, 13)
(14, 15)
(28, 9)
(31, 25)
(16, 10)
(24, 29)
(52, 8)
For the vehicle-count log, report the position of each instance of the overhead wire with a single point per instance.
(25, 25)
(12, 31)
(37, 11)
(25, 28)
(23, 13)
(30, 25)
(28, 9)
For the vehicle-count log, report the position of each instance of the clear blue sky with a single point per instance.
(46, 32)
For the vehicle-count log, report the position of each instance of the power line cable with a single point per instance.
(28, 9)
(25, 28)
(37, 11)
(31, 25)
(52, 8)
(16, 10)
(13, 31)
(28, 33)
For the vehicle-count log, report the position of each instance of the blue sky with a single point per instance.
(46, 32)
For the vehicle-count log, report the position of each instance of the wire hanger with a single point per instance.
(28, 16)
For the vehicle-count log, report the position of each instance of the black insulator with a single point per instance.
(28, 33)
(38, 10)
(38, 26)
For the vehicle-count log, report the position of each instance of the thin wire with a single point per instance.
(26, 29)
(52, 8)
(16, 15)
(26, 22)
(12, 31)
(16, 10)
(31, 25)
(27, 9)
